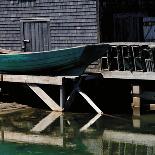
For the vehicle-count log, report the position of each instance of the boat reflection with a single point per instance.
(96, 134)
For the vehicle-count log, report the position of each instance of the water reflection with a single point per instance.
(35, 131)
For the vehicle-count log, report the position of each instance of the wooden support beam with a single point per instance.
(136, 100)
(61, 124)
(152, 106)
(45, 122)
(55, 80)
(62, 93)
(136, 111)
(50, 102)
(88, 99)
(92, 121)
(128, 75)
(136, 90)
(136, 122)
(32, 79)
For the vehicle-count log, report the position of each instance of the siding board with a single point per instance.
(72, 22)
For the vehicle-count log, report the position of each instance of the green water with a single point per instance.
(40, 132)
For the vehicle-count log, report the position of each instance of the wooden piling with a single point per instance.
(90, 102)
(62, 93)
(136, 100)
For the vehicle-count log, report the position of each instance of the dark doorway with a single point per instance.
(121, 20)
(35, 35)
(128, 27)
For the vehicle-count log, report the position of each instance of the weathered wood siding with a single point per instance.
(122, 20)
(72, 22)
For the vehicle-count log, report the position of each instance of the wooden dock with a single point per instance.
(124, 61)
(131, 61)
(31, 81)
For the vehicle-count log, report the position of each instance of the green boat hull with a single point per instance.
(64, 61)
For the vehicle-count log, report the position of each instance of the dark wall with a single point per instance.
(72, 22)
(122, 20)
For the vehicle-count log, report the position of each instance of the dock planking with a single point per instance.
(55, 80)
(32, 81)
(128, 75)
(128, 60)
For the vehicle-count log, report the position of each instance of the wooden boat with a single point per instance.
(69, 61)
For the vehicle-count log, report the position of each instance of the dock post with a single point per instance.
(62, 93)
(136, 100)
(61, 125)
(136, 122)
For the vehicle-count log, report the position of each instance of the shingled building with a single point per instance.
(37, 25)
(126, 20)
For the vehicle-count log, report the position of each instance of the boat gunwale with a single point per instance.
(40, 52)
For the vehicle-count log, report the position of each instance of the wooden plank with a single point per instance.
(22, 35)
(136, 122)
(88, 99)
(31, 138)
(136, 102)
(35, 19)
(62, 96)
(51, 103)
(61, 124)
(129, 75)
(41, 36)
(98, 21)
(150, 44)
(136, 90)
(32, 79)
(37, 40)
(152, 106)
(48, 36)
(28, 35)
(45, 122)
(45, 36)
(117, 74)
(55, 80)
(136, 111)
(92, 121)
(33, 35)
(128, 137)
